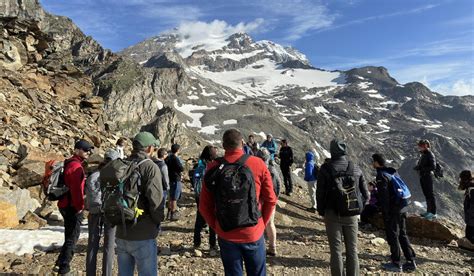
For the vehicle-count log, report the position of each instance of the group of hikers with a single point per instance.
(236, 196)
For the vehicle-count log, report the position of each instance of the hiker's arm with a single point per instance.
(431, 166)
(74, 178)
(291, 156)
(207, 206)
(321, 190)
(363, 189)
(267, 195)
(166, 177)
(154, 193)
(179, 165)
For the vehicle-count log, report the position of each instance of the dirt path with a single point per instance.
(302, 248)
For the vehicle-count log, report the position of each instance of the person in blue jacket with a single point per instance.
(310, 176)
(270, 145)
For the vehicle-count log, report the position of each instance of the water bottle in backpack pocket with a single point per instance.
(233, 187)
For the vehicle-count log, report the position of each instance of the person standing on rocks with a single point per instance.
(72, 204)
(467, 184)
(394, 212)
(238, 215)
(120, 147)
(425, 167)
(161, 154)
(96, 223)
(270, 229)
(310, 176)
(136, 244)
(286, 160)
(270, 145)
(253, 144)
(208, 154)
(340, 208)
(175, 169)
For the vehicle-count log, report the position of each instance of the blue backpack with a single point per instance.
(400, 188)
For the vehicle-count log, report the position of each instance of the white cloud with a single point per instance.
(209, 35)
(457, 88)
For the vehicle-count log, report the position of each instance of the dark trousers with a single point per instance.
(426, 182)
(252, 254)
(199, 225)
(368, 212)
(286, 171)
(470, 233)
(396, 231)
(72, 230)
(96, 224)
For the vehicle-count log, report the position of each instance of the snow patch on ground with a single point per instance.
(236, 56)
(320, 109)
(415, 120)
(211, 129)
(265, 76)
(193, 97)
(188, 110)
(362, 121)
(434, 126)
(20, 242)
(230, 122)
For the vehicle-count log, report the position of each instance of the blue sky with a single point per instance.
(417, 40)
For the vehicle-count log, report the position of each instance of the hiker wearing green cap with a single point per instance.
(136, 243)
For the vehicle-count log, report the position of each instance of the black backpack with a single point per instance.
(346, 194)
(121, 181)
(233, 187)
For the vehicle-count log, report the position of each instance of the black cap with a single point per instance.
(337, 148)
(175, 148)
(83, 145)
(377, 157)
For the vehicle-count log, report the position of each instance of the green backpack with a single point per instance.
(121, 185)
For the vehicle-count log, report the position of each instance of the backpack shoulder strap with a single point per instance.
(348, 172)
(242, 159)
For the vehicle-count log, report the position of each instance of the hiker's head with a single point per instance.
(371, 186)
(251, 138)
(269, 137)
(232, 139)
(284, 142)
(120, 142)
(378, 161)
(423, 145)
(111, 155)
(264, 154)
(465, 180)
(162, 153)
(175, 148)
(338, 148)
(208, 153)
(83, 149)
(146, 142)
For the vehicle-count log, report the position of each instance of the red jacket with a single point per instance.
(75, 178)
(265, 196)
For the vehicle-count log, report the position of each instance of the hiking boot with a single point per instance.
(288, 193)
(424, 214)
(174, 216)
(392, 267)
(431, 216)
(311, 210)
(409, 266)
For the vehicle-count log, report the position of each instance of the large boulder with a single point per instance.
(8, 216)
(440, 229)
(21, 199)
(31, 221)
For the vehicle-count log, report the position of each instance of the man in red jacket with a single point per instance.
(244, 243)
(72, 204)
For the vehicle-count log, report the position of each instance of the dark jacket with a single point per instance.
(151, 196)
(175, 167)
(286, 156)
(324, 195)
(426, 164)
(469, 206)
(75, 179)
(386, 197)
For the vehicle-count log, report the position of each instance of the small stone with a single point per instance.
(187, 255)
(197, 253)
(377, 241)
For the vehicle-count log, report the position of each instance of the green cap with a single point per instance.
(146, 139)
